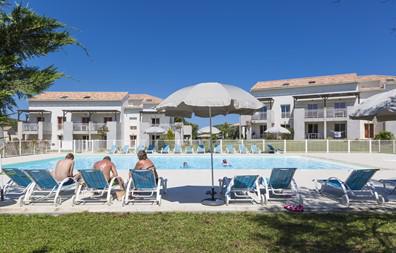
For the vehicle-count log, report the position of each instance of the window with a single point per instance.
(313, 131)
(132, 118)
(285, 125)
(155, 121)
(132, 137)
(85, 120)
(106, 119)
(340, 105)
(39, 119)
(60, 122)
(263, 109)
(285, 109)
(369, 130)
(133, 127)
(312, 107)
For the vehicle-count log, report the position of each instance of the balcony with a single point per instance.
(337, 113)
(259, 116)
(330, 113)
(314, 114)
(29, 127)
(86, 127)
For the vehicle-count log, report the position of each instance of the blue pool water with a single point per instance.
(197, 162)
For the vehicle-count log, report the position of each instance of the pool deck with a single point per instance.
(186, 189)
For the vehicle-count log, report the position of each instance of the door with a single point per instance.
(313, 131)
(339, 130)
(263, 128)
(369, 130)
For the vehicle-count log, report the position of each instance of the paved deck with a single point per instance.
(186, 189)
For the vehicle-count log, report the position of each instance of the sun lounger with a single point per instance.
(389, 188)
(125, 149)
(44, 187)
(356, 187)
(140, 148)
(142, 187)
(19, 181)
(94, 183)
(217, 148)
(272, 149)
(280, 185)
(242, 149)
(201, 149)
(177, 149)
(150, 149)
(189, 150)
(241, 188)
(254, 149)
(112, 150)
(165, 149)
(230, 149)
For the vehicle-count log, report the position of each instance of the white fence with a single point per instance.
(20, 148)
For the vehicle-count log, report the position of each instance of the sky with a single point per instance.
(159, 46)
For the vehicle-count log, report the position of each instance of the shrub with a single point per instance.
(384, 135)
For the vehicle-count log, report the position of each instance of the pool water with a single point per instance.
(125, 162)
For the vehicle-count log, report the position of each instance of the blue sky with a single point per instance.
(157, 47)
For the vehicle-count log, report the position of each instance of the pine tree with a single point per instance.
(25, 35)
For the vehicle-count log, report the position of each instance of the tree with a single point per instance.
(170, 135)
(194, 127)
(25, 35)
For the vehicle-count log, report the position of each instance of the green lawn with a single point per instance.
(187, 232)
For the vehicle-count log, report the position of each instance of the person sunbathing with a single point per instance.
(109, 170)
(64, 169)
(145, 164)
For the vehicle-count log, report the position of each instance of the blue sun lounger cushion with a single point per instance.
(94, 179)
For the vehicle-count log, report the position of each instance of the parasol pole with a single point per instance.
(211, 152)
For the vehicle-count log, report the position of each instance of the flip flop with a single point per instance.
(294, 208)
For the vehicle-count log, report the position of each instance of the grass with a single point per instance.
(206, 232)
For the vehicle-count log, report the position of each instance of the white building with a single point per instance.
(317, 107)
(62, 117)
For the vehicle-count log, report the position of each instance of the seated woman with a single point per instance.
(145, 164)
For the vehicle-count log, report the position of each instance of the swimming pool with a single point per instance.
(125, 162)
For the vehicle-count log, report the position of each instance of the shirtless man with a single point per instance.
(64, 169)
(145, 164)
(109, 169)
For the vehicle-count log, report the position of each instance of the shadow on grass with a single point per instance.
(344, 232)
(45, 249)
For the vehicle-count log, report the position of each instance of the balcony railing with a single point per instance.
(314, 114)
(336, 113)
(286, 115)
(259, 116)
(80, 127)
(330, 113)
(30, 127)
(97, 126)
(313, 136)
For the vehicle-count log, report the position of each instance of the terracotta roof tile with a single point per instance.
(306, 81)
(146, 98)
(80, 96)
